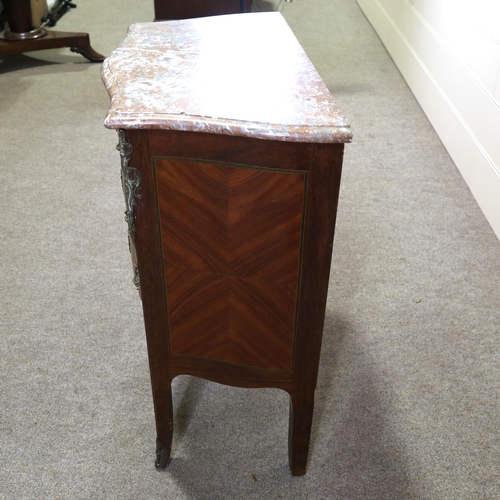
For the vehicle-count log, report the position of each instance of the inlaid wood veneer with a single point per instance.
(231, 238)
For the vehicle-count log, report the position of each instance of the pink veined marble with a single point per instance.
(240, 74)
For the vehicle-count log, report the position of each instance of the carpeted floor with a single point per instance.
(409, 386)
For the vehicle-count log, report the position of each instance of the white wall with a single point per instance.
(449, 53)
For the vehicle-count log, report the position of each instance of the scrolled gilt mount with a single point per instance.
(131, 182)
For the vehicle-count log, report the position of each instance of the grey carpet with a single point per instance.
(409, 385)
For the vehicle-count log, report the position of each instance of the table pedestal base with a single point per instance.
(77, 42)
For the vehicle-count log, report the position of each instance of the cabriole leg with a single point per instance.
(164, 416)
(299, 433)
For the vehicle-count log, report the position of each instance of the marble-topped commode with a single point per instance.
(231, 154)
(242, 75)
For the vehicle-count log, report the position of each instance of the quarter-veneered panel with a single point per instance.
(231, 240)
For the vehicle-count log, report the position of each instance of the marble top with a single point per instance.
(240, 74)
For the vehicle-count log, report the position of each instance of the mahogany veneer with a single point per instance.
(231, 219)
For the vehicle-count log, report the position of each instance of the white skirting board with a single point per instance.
(464, 112)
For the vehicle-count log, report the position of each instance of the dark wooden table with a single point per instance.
(21, 36)
(231, 192)
(185, 9)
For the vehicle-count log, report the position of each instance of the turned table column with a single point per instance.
(231, 149)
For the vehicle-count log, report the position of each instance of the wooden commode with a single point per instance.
(231, 152)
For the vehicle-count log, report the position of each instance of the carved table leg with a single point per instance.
(299, 433)
(89, 53)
